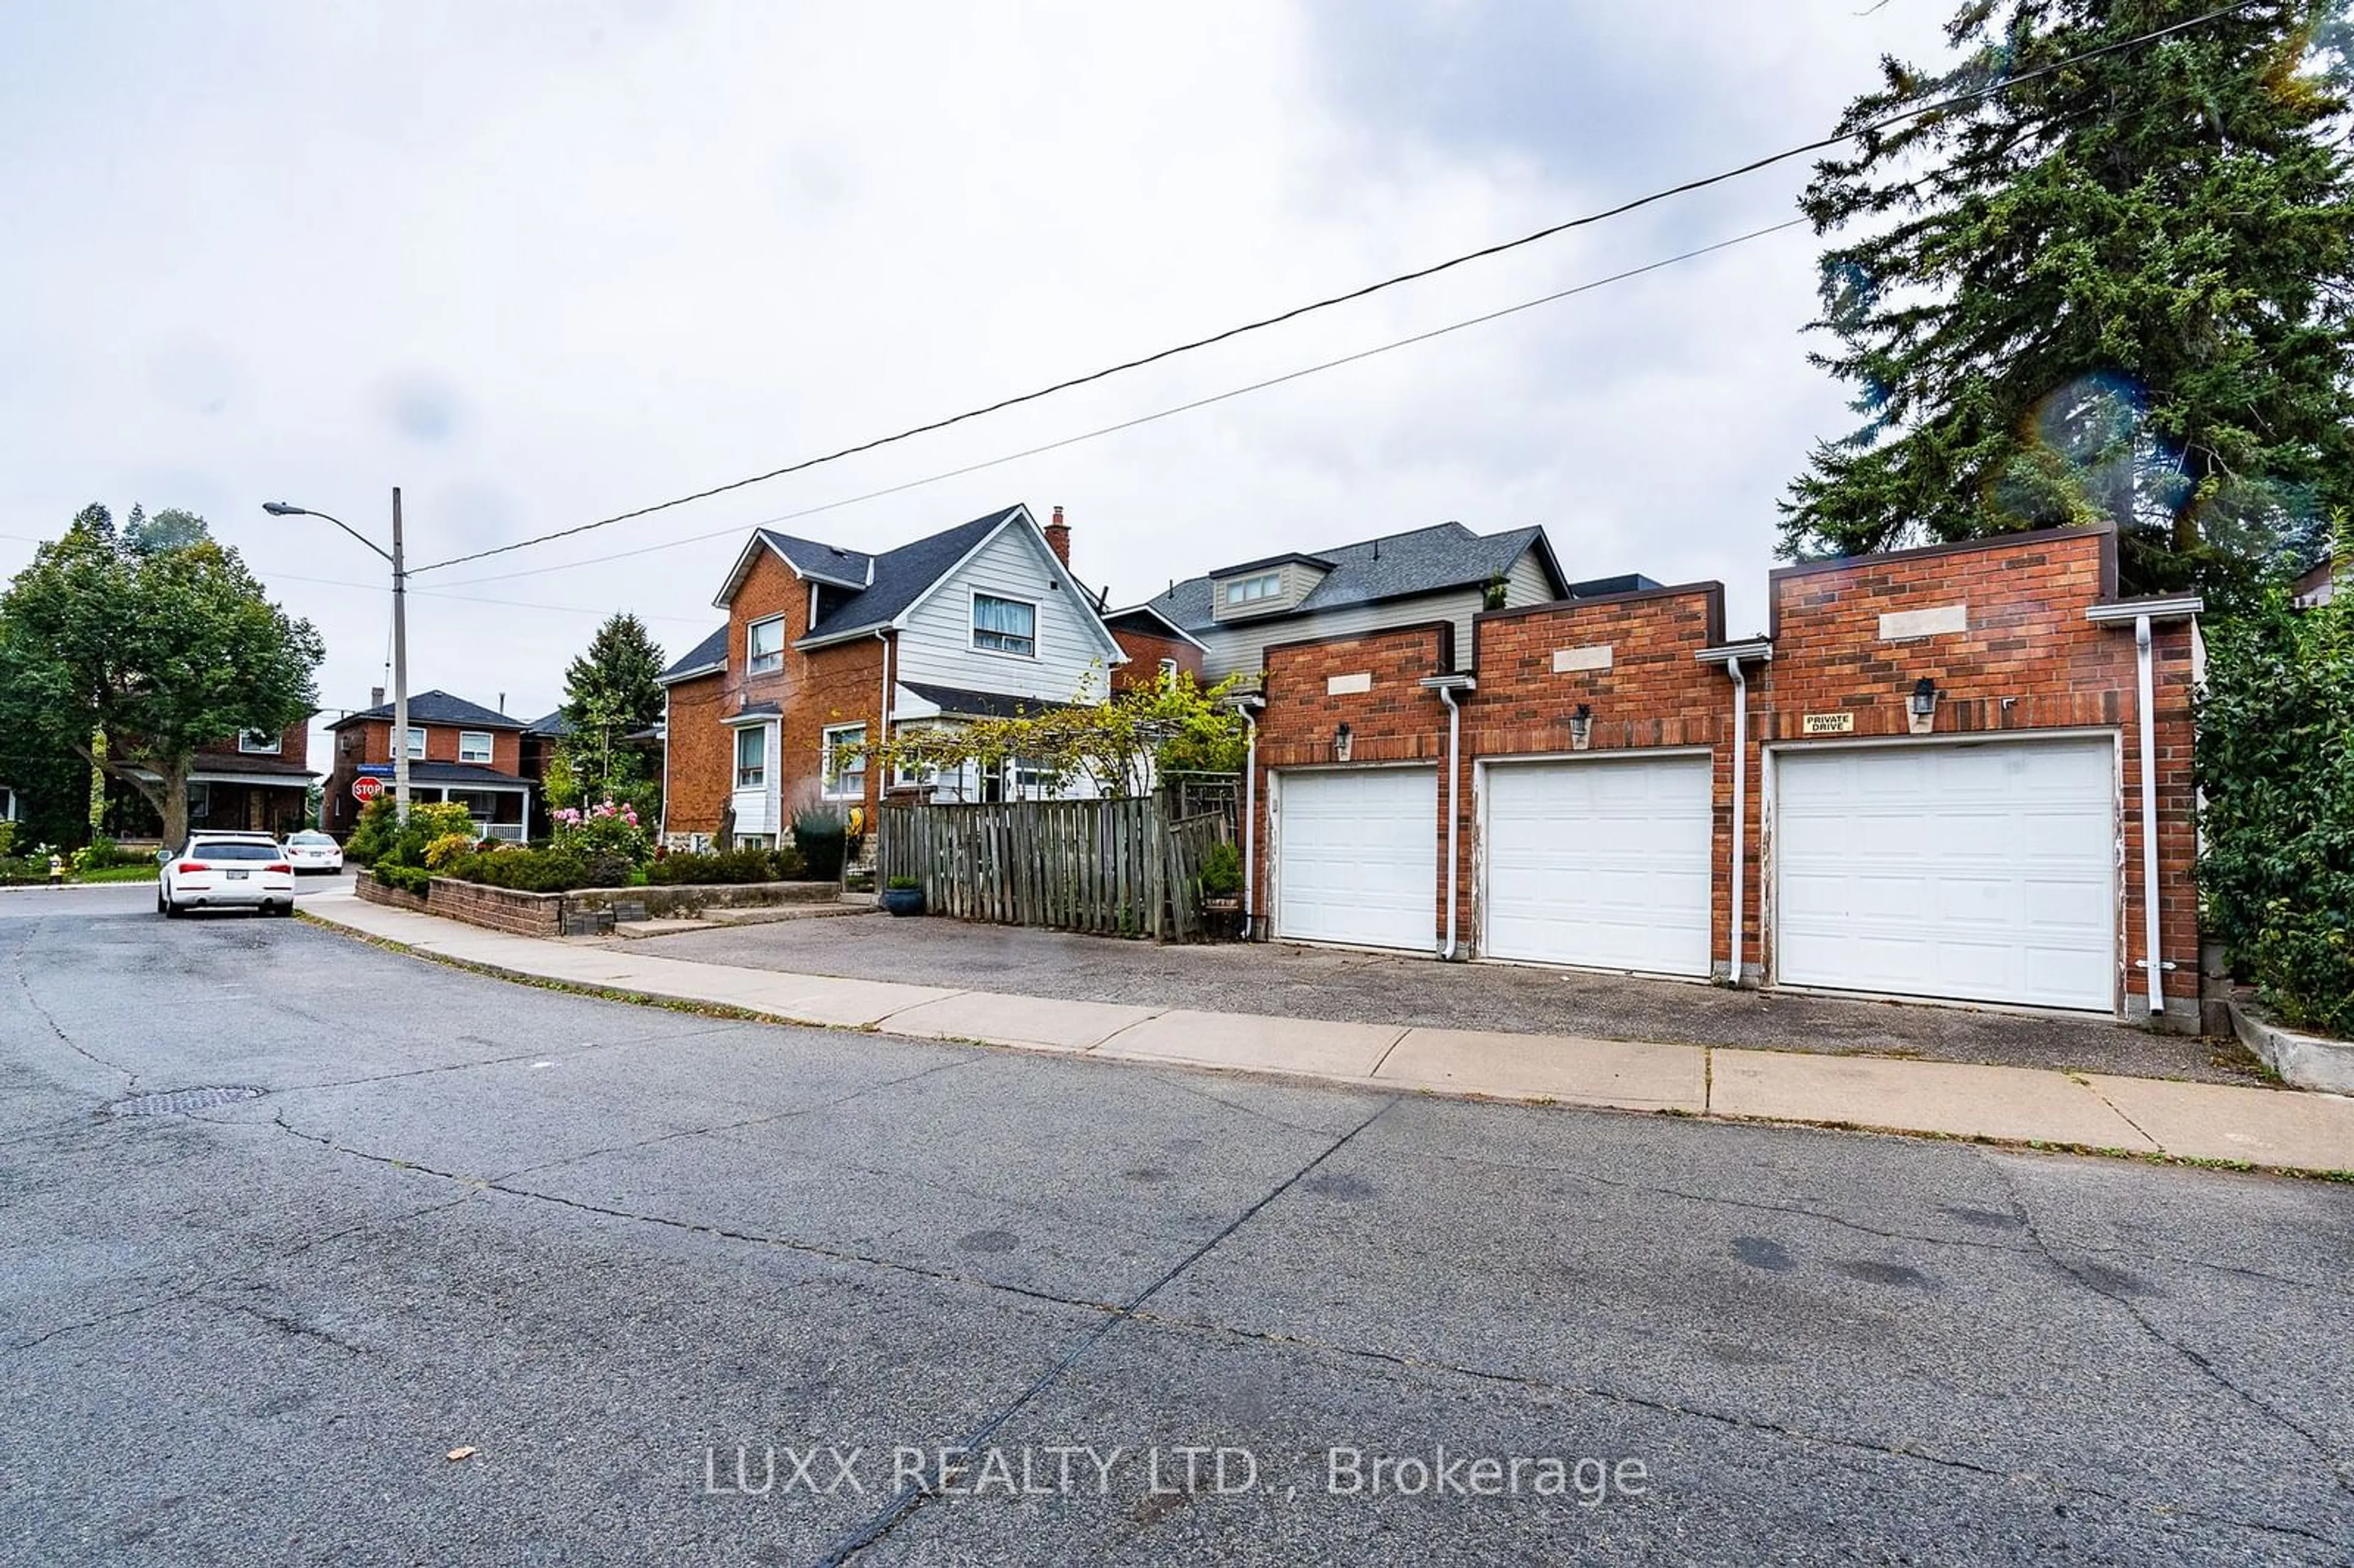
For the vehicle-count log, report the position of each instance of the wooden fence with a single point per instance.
(1123, 867)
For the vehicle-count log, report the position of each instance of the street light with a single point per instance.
(399, 635)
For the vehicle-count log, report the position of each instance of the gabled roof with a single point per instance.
(704, 657)
(554, 724)
(1151, 623)
(826, 563)
(905, 574)
(868, 593)
(1397, 566)
(437, 708)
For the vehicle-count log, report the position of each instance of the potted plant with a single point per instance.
(904, 895)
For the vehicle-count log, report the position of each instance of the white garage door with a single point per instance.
(1983, 873)
(1359, 857)
(1603, 862)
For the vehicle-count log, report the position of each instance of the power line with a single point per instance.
(1816, 145)
(1260, 385)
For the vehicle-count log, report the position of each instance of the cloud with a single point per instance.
(539, 267)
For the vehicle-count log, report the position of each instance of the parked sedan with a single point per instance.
(226, 871)
(313, 850)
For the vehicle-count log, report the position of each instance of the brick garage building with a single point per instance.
(1936, 791)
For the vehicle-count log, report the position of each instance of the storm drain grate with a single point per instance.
(176, 1100)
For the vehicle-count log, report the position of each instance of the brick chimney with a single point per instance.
(376, 697)
(1058, 537)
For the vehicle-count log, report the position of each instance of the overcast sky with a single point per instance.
(537, 264)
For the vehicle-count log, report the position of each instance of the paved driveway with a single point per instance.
(596, 1252)
(1300, 981)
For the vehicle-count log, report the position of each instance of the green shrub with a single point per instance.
(381, 836)
(525, 870)
(2276, 771)
(373, 835)
(736, 865)
(99, 854)
(7, 839)
(605, 829)
(448, 851)
(904, 884)
(1222, 872)
(406, 878)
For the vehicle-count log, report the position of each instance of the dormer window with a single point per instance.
(1255, 589)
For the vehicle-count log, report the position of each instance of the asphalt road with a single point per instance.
(598, 1249)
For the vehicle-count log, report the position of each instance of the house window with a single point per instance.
(764, 645)
(751, 757)
(473, 746)
(1169, 671)
(415, 743)
(262, 742)
(1032, 780)
(1251, 591)
(1004, 625)
(845, 769)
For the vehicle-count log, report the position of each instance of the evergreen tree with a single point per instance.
(2119, 291)
(609, 691)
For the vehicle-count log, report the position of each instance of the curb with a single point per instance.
(1269, 1074)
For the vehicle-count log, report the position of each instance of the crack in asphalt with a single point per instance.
(2204, 1364)
(909, 1499)
(241, 1277)
(25, 984)
(762, 1120)
(1730, 1419)
(1798, 1210)
(565, 1053)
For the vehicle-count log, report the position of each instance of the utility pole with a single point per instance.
(399, 668)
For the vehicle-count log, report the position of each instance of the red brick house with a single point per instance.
(1925, 780)
(256, 782)
(827, 648)
(1156, 647)
(457, 751)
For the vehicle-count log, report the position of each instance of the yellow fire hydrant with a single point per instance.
(56, 870)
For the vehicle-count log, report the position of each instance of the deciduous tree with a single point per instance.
(132, 648)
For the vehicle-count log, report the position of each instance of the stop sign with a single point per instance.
(366, 788)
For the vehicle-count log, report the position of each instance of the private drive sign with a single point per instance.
(365, 788)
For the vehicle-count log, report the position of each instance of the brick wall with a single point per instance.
(1998, 625)
(293, 745)
(814, 689)
(1630, 662)
(701, 760)
(1145, 649)
(1394, 719)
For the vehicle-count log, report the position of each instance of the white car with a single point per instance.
(227, 870)
(311, 850)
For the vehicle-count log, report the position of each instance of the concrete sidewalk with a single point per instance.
(2275, 1129)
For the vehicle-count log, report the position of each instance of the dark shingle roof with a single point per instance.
(437, 708)
(1445, 556)
(826, 563)
(901, 576)
(554, 724)
(712, 651)
(962, 703)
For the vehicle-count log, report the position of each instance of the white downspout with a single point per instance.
(1740, 809)
(2148, 702)
(882, 737)
(662, 826)
(1453, 787)
(1250, 819)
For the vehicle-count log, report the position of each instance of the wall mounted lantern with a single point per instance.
(1341, 743)
(1581, 727)
(1921, 707)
